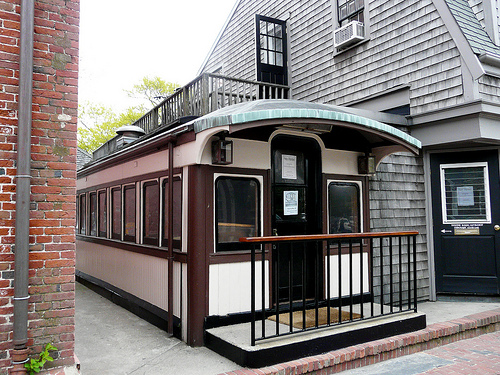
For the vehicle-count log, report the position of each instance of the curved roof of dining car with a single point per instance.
(338, 127)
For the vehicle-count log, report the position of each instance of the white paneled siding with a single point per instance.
(178, 286)
(180, 295)
(356, 278)
(139, 166)
(143, 276)
(229, 287)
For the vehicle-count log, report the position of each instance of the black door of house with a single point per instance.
(296, 210)
(466, 222)
(271, 56)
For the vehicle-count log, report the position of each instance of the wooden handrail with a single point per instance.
(315, 237)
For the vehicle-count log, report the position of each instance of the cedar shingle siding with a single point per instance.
(397, 202)
(410, 47)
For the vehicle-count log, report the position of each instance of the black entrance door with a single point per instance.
(296, 210)
(466, 213)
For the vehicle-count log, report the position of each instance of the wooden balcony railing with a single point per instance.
(205, 94)
(343, 280)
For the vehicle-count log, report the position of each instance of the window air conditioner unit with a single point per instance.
(351, 33)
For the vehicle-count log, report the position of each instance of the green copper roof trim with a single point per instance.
(223, 118)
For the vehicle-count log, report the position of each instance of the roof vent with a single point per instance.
(128, 133)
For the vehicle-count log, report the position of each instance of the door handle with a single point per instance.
(497, 227)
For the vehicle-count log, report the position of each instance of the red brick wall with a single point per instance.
(53, 206)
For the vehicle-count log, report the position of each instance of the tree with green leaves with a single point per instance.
(153, 89)
(98, 123)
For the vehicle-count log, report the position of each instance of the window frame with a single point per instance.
(82, 216)
(113, 234)
(178, 201)
(485, 166)
(228, 247)
(350, 14)
(265, 71)
(338, 24)
(93, 214)
(126, 237)
(359, 185)
(100, 213)
(154, 241)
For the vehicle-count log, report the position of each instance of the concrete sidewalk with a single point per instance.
(111, 340)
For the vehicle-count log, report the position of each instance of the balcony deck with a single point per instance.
(206, 93)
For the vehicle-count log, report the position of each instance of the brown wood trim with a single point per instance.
(266, 214)
(316, 237)
(199, 218)
(180, 256)
(185, 138)
(235, 257)
(128, 246)
(364, 197)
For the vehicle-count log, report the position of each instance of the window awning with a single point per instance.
(330, 122)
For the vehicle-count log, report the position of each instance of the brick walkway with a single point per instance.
(480, 355)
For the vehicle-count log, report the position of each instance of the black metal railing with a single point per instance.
(316, 281)
(207, 93)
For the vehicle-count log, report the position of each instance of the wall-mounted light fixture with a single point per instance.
(222, 151)
(366, 164)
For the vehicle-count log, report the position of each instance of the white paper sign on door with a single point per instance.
(465, 196)
(289, 167)
(291, 202)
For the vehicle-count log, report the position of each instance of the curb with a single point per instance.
(372, 352)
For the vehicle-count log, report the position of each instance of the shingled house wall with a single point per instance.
(53, 171)
(397, 203)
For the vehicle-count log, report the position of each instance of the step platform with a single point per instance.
(234, 343)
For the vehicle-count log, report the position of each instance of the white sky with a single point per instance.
(122, 41)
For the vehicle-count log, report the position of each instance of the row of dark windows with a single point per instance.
(238, 210)
(237, 205)
(154, 214)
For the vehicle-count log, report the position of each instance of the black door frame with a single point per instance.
(312, 221)
(440, 230)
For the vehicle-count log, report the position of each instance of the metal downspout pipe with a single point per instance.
(170, 228)
(23, 189)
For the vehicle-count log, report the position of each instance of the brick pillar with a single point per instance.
(53, 182)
